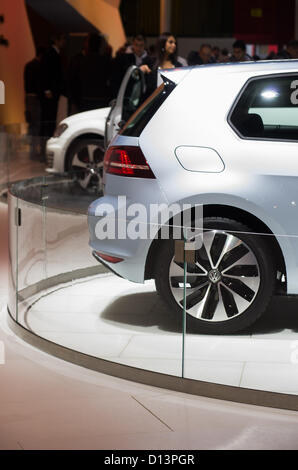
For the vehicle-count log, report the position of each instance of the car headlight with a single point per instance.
(60, 129)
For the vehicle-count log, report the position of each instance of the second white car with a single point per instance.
(78, 144)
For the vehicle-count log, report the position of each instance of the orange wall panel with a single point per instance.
(104, 15)
(13, 59)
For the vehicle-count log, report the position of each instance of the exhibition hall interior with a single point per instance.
(148, 225)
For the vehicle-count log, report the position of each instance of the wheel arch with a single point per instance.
(234, 213)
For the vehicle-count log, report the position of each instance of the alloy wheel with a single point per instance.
(222, 283)
(87, 166)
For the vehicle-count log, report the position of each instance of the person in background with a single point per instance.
(137, 48)
(34, 93)
(167, 52)
(54, 83)
(239, 52)
(166, 57)
(201, 57)
(291, 51)
(152, 50)
(122, 49)
(157, 49)
(92, 74)
(224, 56)
(182, 61)
(128, 55)
(271, 56)
(215, 54)
(73, 86)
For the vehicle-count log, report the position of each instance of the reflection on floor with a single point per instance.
(115, 319)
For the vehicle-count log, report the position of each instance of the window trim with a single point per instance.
(158, 91)
(240, 94)
(163, 91)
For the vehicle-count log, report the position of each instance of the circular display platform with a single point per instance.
(71, 306)
(111, 318)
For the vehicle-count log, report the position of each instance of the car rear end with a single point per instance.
(120, 223)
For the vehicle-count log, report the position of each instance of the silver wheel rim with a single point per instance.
(87, 166)
(222, 283)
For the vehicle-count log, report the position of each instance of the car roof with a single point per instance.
(266, 66)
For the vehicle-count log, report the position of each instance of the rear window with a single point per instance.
(139, 120)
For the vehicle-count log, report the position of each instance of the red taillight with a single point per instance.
(108, 258)
(127, 161)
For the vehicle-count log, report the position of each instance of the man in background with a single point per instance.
(133, 54)
(34, 94)
(291, 52)
(239, 52)
(54, 83)
(138, 50)
(201, 57)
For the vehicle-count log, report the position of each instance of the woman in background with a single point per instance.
(166, 57)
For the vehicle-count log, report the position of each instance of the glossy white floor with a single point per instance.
(118, 320)
(47, 403)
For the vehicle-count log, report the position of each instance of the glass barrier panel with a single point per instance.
(12, 255)
(21, 163)
(5, 271)
(148, 334)
(17, 164)
(222, 315)
(4, 161)
(241, 327)
(71, 298)
(31, 246)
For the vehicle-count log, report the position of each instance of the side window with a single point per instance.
(268, 109)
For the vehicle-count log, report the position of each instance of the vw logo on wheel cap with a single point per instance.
(214, 276)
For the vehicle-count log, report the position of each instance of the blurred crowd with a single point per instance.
(93, 76)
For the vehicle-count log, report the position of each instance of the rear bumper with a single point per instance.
(112, 227)
(132, 251)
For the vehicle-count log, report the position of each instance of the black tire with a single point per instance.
(262, 273)
(85, 163)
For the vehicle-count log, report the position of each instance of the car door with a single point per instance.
(129, 98)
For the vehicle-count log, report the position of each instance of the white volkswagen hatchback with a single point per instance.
(224, 137)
